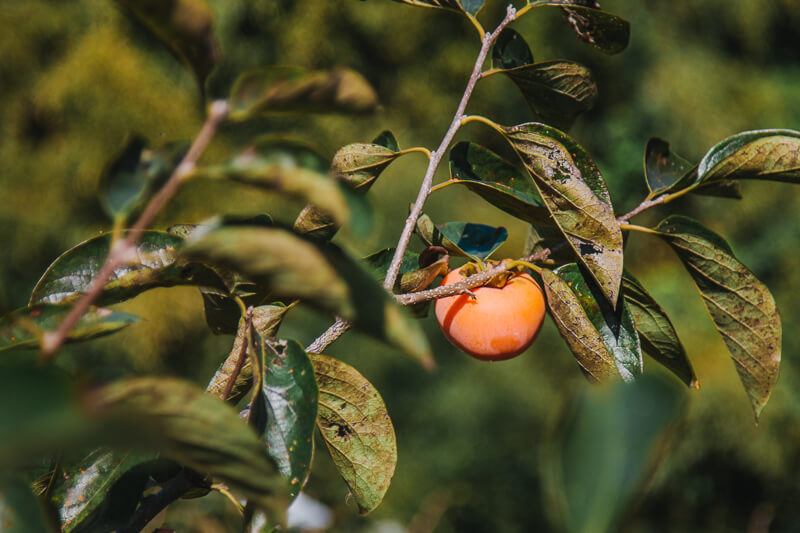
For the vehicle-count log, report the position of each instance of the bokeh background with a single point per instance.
(77, 77)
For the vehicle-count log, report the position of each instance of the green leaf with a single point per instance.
(357, 430)
(742, 308)
(616, 328)
(24, 327)
(576, 328)
(153, 264)
(82, 489)
(547, 237)
(656, 332)
(510, 50)
(294, 89)
(662, 167)
(292, 396)
(411, 278)
(765, 154)
(476, 241)
(606, 32)
(574, 192)
(462, 6)
(497, 181)
(321, 274)
(20, 510)
(357, 166)
(185, 424)
(610, 444)
(185, 26)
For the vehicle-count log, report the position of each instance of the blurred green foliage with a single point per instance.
(79, 76)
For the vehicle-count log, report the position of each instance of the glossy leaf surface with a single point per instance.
(476, 241)
(497, 181)
(153, 264)
(574, 192)
(185, 26)
(656, 332)
(20, 511)
(741, 306)
(295, 89)
(186, 424)
(357, 430)
(292, 396)
(616, 328)
(24, 327)
(765, 154)
(320, 274)
(606, 32)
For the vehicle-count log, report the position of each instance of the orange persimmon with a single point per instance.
(498, 323)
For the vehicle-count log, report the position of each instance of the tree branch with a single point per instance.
(52, 340)
(336, 330)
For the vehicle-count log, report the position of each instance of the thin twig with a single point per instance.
(436, 156)
(120, 251)
(331, 334)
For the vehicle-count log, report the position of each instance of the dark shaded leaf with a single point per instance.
(574, 192)
(720, 189)
(185, 26)
(662, 167)
(411, 278)
(548, 237)
(387, 139)
(576, 328)
(294, 267)
(20, 510)
(152, 265)
(464, 6)
(656, 332)
(476, 241)
(297, 90)
(765, 154)
(611, 442)
(292, 396)
(616, 328)
(497, 181)
(24, 327)
(187, 425)
(606, 32)
(357, 430)
(511, 51)
(742, 308)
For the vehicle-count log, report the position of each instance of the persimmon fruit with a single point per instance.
(498, 323)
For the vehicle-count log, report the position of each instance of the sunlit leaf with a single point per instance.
(292, 396)
(497, 181)
(320, 274)
(153, 264)
(24, 327)
(357, 430)
(765, 154)
(185, 26)
(297, 90)
(656, 332)
(616, 327)
(20, 510)
(185, 424)
(574, 192)
(606, 32)
(741, 306)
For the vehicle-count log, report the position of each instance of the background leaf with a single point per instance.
(576, 195)
(656, 332)
(606, 32)
(465, 6)
(742, 308)
(356, 428)
(20, 511)
(297, 90)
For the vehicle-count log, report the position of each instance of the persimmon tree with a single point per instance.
(154, 440)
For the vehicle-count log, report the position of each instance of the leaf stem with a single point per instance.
(442, 185)
(648, 202)
(122, 249)
(641, 229)
(420, 149)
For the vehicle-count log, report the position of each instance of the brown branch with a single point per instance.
(121, 249)
(329, 336)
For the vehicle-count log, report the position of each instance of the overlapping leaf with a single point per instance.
(320, 274)
(656, 332)
(742, 308)
(574, 192)
(20, 511)
(297, 90)
(497, 181)
(614, 327)
(24, 327)
(357, 430)
(412, 278)
(557, 91)
(470, 7)
(185, 26)
(605, 31)
(292, 396)
(667, 172)
(153, 264)
(476, 241)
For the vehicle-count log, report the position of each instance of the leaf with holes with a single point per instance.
(656, 332)
(574, 192)
(153, 264)
(606, 32)
(295, 89)
(742, 308)
(321, 274)
(357, 430)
